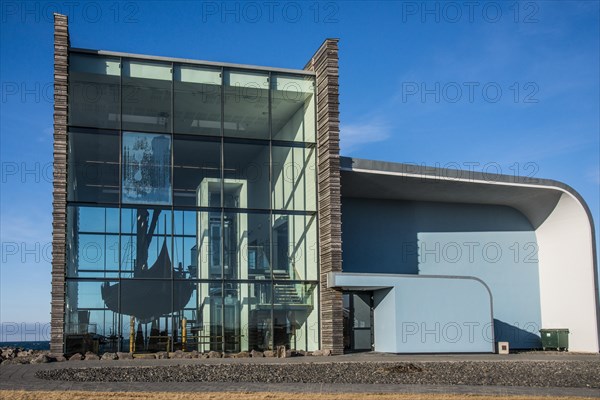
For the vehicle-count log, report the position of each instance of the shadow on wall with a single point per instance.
(380, 236)
(524, 337)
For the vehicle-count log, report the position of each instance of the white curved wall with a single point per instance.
(566, 265)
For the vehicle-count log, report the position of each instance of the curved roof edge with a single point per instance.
(425, 171)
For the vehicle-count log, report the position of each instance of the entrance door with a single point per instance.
(358, 321)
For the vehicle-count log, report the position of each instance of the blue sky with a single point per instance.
(511, 87)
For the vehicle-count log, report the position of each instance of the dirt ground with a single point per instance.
(22, 395)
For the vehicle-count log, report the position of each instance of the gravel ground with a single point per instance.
(523, 373)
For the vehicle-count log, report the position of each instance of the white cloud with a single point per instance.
(372, 130)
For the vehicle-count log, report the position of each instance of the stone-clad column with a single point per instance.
(59, 187)
(325, 65)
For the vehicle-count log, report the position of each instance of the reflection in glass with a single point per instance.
(145, 243)
(294, 179)
(246, 112)
(197, 105)
(293, 108)
(295, 319)
(246, 176)
(196, 172)
(146, 96)
(87, 319)
(93, 166)
(146, 168)
(94, 91)
(92, 242)
(203, 316)
(295, 250)
(246, 245)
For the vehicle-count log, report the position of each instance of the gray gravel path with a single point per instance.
(529, 373)
(23, 377)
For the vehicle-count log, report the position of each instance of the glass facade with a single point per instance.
(191, 218)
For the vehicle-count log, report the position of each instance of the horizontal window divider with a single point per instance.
(285, 143)
(196, 137)
(91, 130)
(238, 140)
(78, 279)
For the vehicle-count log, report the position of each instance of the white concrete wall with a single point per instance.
(426, 314)
(566, 260)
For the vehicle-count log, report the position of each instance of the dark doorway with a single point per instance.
(358, 321)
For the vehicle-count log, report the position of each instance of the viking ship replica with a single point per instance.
(149, 299)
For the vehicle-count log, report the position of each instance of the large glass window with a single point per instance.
(293, 108)
(147, 96)
(192, 223)
(146, 168)
(93, 166)
(196, 172)
(197, 100)
(246, 112)
(94, 91)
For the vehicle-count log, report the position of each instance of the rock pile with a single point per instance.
(12, 355)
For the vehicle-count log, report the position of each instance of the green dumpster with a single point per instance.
(555, 339)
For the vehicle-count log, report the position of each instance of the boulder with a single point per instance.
(76, 357)
(280, 352)
(242, 354)
(109, 356)
(269, 353)
(204, 355)
(41, 359)
(124, 356)
(256, 354)
(161, 355)
(177, 354)
(326, 352)
(25, 353)
(89, 356)
(214, 354)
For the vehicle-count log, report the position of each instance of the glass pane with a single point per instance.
(294, 179)
(146, 243)
(146, 96)
(197, 100)
(209, 259)
(196, 172)
(295, 251)
(93, 167)
(246, 245)
(94, 91)
(246, 112)
(203, 313)
(259, 323)
(362, 339)
(362, 310)
(90, 252)
(197, 252)
(88, 319)
(295, 316)
(246, 176)
(146, 168)
(293, 108)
